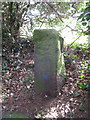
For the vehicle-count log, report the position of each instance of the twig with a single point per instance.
(75, 40)
(55, 11)
(71, 28)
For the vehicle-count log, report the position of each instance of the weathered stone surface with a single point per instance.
(49, 62)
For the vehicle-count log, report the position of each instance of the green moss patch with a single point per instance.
(13, 115)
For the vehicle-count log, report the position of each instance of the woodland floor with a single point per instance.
(19, 95)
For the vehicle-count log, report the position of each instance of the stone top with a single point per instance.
(45, 33)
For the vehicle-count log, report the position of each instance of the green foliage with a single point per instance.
(81, 47)
(14, 115)
(83, 86)
(76, 94)
(40, 115)
(80, 55)
(81, 76)
(84, 19)
(70, 114)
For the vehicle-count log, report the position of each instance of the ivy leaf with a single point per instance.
(86, 86)
(80, 85)
(87, 10)
(88, 26)
(82, 15)
(81, 76)
(84, 23)
(23, 89)
(86, 33)
(76, 94)
(69, 114)
(82, 109)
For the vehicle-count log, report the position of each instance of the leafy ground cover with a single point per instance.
(19, 96)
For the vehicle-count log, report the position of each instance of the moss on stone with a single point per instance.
(48, 57)
(39, 85)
